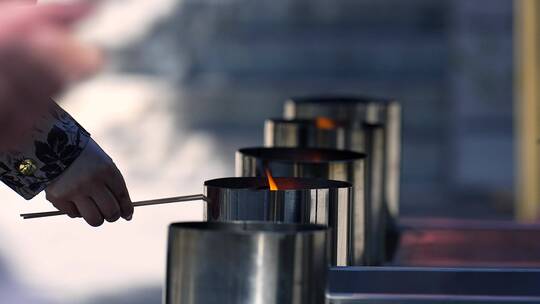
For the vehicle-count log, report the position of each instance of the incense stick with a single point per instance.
(168, 200)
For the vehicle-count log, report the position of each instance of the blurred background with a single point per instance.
(189, 81)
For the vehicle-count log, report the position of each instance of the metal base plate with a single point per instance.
(355, 285)
(449, 261)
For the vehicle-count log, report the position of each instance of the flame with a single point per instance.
(325, 123)
(271, 182)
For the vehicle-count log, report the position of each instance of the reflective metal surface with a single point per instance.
(366, 138)
(359, 285)
(246, 263)
(298, 200)
(358, 110)
(317, 163)
(440, 242)
(306, 133)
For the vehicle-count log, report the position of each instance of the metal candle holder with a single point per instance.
(358, 110)
(305, 133)
(319, 163)
(367, 138)
(246, 263)
(298, 200)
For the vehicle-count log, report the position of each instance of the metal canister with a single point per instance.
(365, 137)
(358, 109)
(296, 200)
(305, 133)
(327, 164)
(246, 263)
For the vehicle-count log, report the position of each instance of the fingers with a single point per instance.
(43, 34)
(98, 205)
(68, 207)
(117, 186)
(60, 14)
(106, 203)
(89, 211)
(66, 14)
(94, 185)
(18, 17)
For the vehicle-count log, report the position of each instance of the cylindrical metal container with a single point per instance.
(297, 200)
(365, 137)
(362, 109)
(308, 133)
(317, 163)
(246, 263)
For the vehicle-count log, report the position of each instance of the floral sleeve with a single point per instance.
(56, 142)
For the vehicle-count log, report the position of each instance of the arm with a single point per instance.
(56, 141)
(41, 146)
(78, 177)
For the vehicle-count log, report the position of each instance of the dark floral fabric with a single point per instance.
(53, 149)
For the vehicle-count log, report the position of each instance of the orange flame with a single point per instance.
(271, 182)
(325, 123)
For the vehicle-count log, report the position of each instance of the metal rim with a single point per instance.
(302, 155)
(343, 99)
(306, 121)
(249, 227)
(285, 183)
(342, 124)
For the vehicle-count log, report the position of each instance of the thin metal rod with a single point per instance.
(168, 200)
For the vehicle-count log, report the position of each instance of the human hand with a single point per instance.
(38, 57)
(92, 187)
(42, 34)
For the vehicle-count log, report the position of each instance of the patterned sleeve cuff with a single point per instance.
(56, 142)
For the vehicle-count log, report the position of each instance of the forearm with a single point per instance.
(50, 147)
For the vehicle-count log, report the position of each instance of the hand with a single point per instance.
(41, 36)
(38, 57)
(92, 187)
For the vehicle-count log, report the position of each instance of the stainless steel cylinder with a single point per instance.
(246, 263)
(362, 109)
(317, 163)
(365, 137)
(298, 200)
(307, 133)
